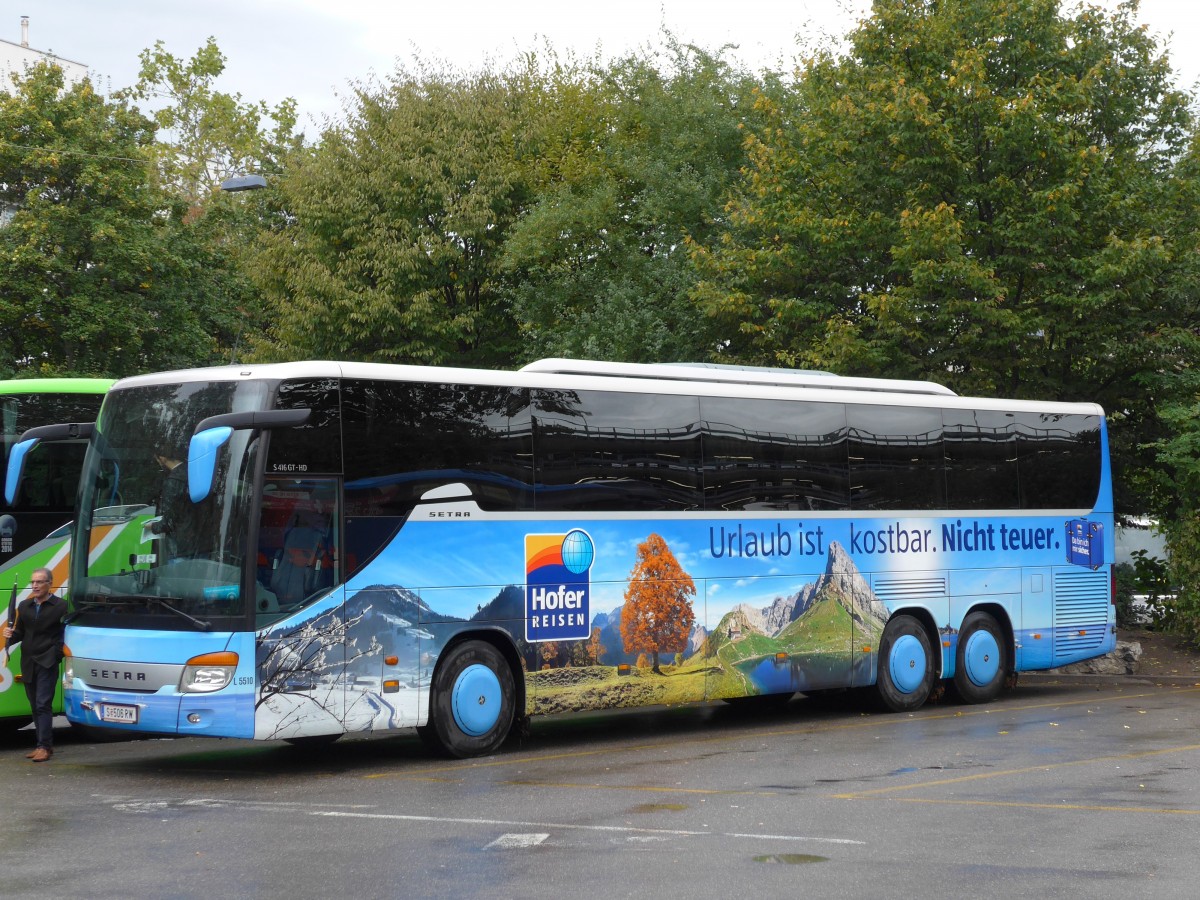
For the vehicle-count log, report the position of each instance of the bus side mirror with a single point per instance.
(16, 467)
(68, 431)
(202, 460)
(212, 433)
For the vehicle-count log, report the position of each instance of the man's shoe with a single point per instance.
(29, 755)
(41, 754)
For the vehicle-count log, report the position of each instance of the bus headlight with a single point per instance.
(208, 672)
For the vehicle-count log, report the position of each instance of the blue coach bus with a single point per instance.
(331, 548)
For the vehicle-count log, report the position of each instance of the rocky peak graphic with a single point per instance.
(842, 575)
(841, 581)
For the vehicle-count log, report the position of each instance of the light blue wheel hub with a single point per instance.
(476, 700)
(906, 664)
(981, 657)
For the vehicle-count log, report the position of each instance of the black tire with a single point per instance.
(471, 709)
(981, 660)
(430, 740)
(906, 669)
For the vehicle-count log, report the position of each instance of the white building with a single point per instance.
(20, 57)
(1139, 533)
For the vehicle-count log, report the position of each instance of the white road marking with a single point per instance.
(621, 829)
(516, 841)
(357, 811)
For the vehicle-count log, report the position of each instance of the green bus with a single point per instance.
(34, 526)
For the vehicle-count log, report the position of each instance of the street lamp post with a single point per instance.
(233, 185)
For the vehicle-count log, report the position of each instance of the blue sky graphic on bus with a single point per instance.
(557, 585)
(740, 560)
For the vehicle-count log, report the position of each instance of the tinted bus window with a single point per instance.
(774, 454)
(404, 439)
(1058, 460)
(611, 451)
(981, 459)
(896, 458)
(52, 470)
(314, 447)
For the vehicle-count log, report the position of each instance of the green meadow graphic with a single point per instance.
(822, 635)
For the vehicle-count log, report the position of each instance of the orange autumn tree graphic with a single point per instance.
(658, 615)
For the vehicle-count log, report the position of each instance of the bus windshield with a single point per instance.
(156, 553)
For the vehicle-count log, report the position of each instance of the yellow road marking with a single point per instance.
(982, 776)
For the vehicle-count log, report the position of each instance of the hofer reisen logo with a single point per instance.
(558, 585)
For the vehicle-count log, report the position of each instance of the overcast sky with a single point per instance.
(311, 49)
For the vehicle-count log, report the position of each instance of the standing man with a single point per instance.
(39, 628)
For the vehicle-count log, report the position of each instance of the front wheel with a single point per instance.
(981, 661)
(906, 672)
(472, 703)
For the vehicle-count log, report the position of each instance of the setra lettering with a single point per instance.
(118, 675)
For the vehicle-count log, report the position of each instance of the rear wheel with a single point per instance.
(472, 705)
(906, 672)
(981, 661)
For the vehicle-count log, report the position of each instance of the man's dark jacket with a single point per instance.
(40, 634)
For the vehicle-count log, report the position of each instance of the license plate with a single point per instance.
(126, 715)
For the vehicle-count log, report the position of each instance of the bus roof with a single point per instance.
(736, 375)
(680, 379)
(56, 385)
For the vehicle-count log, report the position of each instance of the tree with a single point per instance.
(102, 274)
(970, 194)
(658, 615)
(632, 159)
(204, 136)
(208, 135)
(595, 648)
(395, 224)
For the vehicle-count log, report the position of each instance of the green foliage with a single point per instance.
(1144, 594)
(630, 161)
(1175, 489)
(1125, 589)
(102, 274)
(973, 194)
(206, 135)
(395, 224)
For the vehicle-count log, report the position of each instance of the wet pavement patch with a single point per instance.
(791, 859)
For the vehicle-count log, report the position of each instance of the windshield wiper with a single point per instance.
(131, 599)
(81, 607)
(199, 623)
